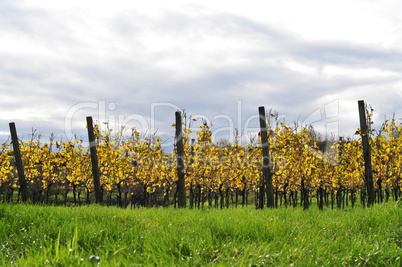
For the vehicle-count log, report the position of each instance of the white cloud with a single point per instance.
(294, 57)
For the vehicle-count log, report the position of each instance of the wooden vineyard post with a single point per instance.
(368, 174)
(94, 160)
(180, 162)
(18, 162)
(266, 179)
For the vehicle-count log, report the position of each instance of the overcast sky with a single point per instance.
(137, 62)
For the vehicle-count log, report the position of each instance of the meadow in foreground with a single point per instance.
(107, 236)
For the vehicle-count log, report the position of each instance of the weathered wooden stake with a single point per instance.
(180, 162)
(94, 160)
(266, 179)
(368, 174)
(18, 162)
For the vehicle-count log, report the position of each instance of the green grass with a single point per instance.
(93, 235)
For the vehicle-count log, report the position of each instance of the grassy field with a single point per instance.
(108, 236)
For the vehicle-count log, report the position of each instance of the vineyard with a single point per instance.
(304, 167)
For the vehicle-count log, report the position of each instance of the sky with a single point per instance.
(133, 64)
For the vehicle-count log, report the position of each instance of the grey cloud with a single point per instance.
(13, 16)
(123, 71)
(349, 54)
